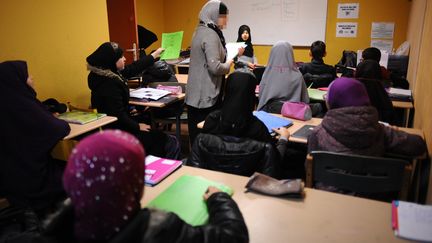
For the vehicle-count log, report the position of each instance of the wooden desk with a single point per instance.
(320, 217)
(182, 78)
(162, 102)
(77, 129)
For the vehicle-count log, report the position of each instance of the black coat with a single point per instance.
(318, 73)
(226, 224)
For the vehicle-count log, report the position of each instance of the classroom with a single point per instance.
(55, 37)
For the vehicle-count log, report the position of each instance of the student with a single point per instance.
(369, 73)
(30, 177)
(317, 73)
(281, 81)
(110, 95)
(104, 179)
(373, 53)
(248, 58)
(351, 126)
(208, 65)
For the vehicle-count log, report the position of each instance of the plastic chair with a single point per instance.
(365, 176)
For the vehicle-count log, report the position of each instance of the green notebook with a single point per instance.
(316, 94)
(80, 117)
(185, 198)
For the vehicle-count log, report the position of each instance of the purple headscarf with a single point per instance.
(104, 178)
(344, 92)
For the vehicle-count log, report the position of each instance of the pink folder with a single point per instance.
(157, 169)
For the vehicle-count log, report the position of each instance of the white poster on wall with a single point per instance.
(348, 10)
(383, 45)
(346, 29)
(383, 30)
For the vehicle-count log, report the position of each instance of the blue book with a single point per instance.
(272, 121)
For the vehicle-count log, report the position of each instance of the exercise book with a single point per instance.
(157, 169)
(271, 121)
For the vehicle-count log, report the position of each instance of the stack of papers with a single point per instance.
(412, 221)
(149, 93)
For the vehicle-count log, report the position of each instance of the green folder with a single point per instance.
(80, 117)
(316, 94)
(171, 42)
(185, 198)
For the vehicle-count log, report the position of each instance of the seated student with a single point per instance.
(30, 177)
(351, 126)
(369, 73)
(248, 58)
(110, 95)
(373, 53)
(281, 81)
(317, 72)
(106, 192)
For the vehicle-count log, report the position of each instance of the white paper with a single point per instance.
(402, 92)
(383, 61)
(414, 221)
(168, 162)
(149, 93)
(150, 172)
(346, 29)
(383, 45)
(150, 159)
(383, 30)
(232, 49)
(348, 10)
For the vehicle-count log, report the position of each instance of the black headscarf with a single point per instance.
(145, 37)
(249, 48)
(106, 56)
(236, 116)
(369, 69)
(29, 132)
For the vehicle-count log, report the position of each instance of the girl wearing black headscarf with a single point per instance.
(247, 59)
(29, 176)
(107, 81)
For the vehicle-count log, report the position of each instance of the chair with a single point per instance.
(241, 156)
(371, 177)
(176, 112)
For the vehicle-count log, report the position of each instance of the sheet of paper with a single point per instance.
(171, 42)
(232, 49)
(346, 29)
(149, 93)
(348, 10)
(414, 221)
(383, 30)
(383, 45)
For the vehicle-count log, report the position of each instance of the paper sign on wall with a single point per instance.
(346, 29)
(348, 10)
(383, 30)
(383, 45)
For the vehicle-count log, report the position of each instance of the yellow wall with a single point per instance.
(179, 15)
(150, 15)
(54, 38)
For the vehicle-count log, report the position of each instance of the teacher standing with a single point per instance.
(208, 65)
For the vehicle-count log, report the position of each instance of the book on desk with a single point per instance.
(157, 169)
(412, 221)
(80, 117)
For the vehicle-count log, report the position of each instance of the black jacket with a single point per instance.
(110, 93)
(226, 224)
(317, 73)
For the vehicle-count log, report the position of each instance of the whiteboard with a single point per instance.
(300, 22)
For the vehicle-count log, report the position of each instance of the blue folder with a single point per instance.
(272, 121)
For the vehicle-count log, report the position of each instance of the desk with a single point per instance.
(320, 217)
(77, 129)
(182, 78)
(162, 102)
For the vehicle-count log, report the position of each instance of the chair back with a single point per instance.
(363, 175)
(241, 156)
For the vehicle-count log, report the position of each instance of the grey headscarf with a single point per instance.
(281, 79)
(210, 12)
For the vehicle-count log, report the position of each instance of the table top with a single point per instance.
(320, 217)
(78, 129)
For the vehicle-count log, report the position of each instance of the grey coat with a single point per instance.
(206, 69)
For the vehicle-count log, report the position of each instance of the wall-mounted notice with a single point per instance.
(346, 29)
(383, 45)
(348, 10)
(383, 30)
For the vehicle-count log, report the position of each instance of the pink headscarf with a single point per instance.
(104, 178)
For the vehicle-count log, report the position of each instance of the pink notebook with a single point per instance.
(158, 168)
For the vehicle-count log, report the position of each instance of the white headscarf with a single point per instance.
(281, 79)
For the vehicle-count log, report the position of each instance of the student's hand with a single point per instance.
(210, 191)
(395, 128)
(144, 127)
(251, 65)
(241, 51)
(282, 131)
(157, 53)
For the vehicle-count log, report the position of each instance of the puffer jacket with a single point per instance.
(226, 224)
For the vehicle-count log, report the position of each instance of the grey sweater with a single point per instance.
(206, 68)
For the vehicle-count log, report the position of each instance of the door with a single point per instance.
(122, 25)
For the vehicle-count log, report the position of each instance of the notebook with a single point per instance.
(80, 117)
(412, 221)
(271, 121)
(303, 132)
(185, 198)
(158, 169)
(148, 93)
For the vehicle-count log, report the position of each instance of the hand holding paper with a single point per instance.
(233, 49)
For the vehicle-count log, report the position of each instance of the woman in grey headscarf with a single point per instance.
(281, 81)
(208, 65)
